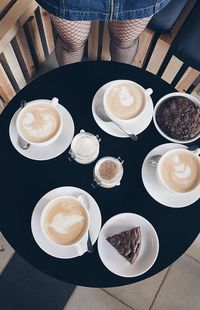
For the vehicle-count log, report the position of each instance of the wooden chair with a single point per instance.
(26, 39)
(185, 48)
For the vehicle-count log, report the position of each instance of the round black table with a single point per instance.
(24, 181)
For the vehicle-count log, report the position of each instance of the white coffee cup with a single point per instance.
(25, 114)
(174, 171)
(141, 116)
(161, 101)
(78, 244)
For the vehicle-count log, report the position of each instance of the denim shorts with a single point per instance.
(103, 9)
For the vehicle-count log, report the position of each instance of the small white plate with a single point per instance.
(44, 243)
(50, 151)
(159, 192)
(110, 127)
(148, 251)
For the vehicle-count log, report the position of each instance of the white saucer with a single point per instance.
(50, 151)
(111, 128)
(159, 192)
(149, 245)
(44, 243)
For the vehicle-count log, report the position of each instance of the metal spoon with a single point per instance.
(22, 143)
(83, 199)
(102, 114)
(155, 159)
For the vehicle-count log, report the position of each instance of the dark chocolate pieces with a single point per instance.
(127, 243)
(179, 118)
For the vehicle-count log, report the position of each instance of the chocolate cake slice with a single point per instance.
(127, 243)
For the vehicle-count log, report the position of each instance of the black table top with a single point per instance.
(24, 181)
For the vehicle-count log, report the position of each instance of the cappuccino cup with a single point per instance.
(125, 102)
(178, 170)
(40, 122)
(65, 222)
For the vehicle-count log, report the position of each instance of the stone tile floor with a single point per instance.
(175, 288)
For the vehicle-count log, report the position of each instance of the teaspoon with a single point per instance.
(102, 114)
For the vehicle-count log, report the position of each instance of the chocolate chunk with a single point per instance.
(179, 118)
(127, 243)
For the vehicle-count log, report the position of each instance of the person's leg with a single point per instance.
(71, 39)
(124, 38)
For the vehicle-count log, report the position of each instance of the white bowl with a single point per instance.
(176, 94)
(116, 263)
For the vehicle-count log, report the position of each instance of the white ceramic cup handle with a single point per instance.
(54, 102)
(148, 91)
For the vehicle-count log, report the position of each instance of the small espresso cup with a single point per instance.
(126, 103)
(178, 170)
(40, 122)
(65, 221)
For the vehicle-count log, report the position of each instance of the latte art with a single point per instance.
(39, 122)
(181, 171)
(125, 100)
(125, 97)
(62, 223)
(65, 221)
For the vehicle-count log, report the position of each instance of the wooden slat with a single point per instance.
(35, 41)
(187, 79)
(7, 91)
(157, 56)
(13, 15)
(14, 66)
(3, 4)
(1, 105)
(47, 30)
(33, 5)
(12, 31)
(24, 54)
(105, 54)
(144, 43)
(172, 68)
(93, 41)
(196, 92)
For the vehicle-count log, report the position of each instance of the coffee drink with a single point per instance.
(65, 221)
(125, 100)
(180, 171)
(39, 122)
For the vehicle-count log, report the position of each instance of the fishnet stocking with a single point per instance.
(72, 36)
(124, 38)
